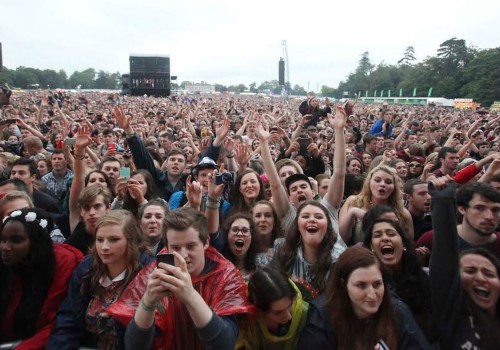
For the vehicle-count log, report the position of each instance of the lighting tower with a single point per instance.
(287, 67)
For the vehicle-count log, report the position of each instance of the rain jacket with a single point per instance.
(257, 336)
(222, 288)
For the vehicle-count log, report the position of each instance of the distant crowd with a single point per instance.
(245, 222)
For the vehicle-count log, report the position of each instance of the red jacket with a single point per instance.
(222, 288)
(66, 259)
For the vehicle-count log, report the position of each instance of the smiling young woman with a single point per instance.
(240, 249)
(357, 311)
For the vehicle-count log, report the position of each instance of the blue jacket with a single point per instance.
(70, 322)
(376, 129)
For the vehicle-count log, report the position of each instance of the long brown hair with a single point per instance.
(133, 235)
(354, 333)
(288, 252)
(237, 199)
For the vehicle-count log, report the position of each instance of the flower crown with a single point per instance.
(29, 217)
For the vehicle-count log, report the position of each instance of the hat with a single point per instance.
(206, 162)
(296, 177)
(311, 127)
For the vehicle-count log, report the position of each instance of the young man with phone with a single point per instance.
(190, 304)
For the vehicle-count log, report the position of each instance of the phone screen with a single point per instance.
(166, 259)
(125, 172)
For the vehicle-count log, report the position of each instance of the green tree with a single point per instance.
(253, 87)
(328, 91)
(365, 66)
(84, 79)
(483, 77)
(408, 57)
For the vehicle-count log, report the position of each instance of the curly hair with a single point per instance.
(288, 252)
(36, 273)
(395, 200)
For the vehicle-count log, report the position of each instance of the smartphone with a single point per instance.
(167, 258)
(125, 172)
(70, 141)
(112, 147)
(304, 142)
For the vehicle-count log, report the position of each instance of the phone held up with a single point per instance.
(167, 258)
(125, 172)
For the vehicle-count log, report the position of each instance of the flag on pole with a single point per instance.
(401, 92)
(430, 92)
(414, 92)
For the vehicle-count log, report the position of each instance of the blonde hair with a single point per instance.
(395, 200)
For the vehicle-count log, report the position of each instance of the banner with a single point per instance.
(382, 93)
(388, 93)
(414, 92)
(366, 94)
(430, 92)
(375, 93)
(401, 92)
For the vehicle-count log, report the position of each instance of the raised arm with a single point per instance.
(335, 191)
(280, 197)
(444, 264)
(82, 141)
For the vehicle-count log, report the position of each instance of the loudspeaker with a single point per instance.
(281, 70)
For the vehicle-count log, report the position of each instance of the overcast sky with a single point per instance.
(231, 42)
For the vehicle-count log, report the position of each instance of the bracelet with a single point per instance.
(147, 308)
(230, 156)
(79, 157)
(217, 200)
(212, 206)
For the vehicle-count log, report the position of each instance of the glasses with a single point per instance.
(414, 165)
(245, 231)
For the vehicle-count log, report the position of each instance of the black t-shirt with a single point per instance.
(80, 239)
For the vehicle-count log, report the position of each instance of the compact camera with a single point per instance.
(225, 178)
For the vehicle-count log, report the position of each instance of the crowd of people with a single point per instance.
(244, 222)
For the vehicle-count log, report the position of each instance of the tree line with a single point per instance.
(457, 70)
(32, 78)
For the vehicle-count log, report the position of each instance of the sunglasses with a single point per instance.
(414, 165)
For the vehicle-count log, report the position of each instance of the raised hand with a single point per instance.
(193, 193)
(82, 136)
(243, 154)
(262, 133)
(122, 119)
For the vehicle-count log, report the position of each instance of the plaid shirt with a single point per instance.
(56, 186)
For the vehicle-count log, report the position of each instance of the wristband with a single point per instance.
(79, 157)
(147, 308)
(217, 200)
(230, 156)
(212, 206)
